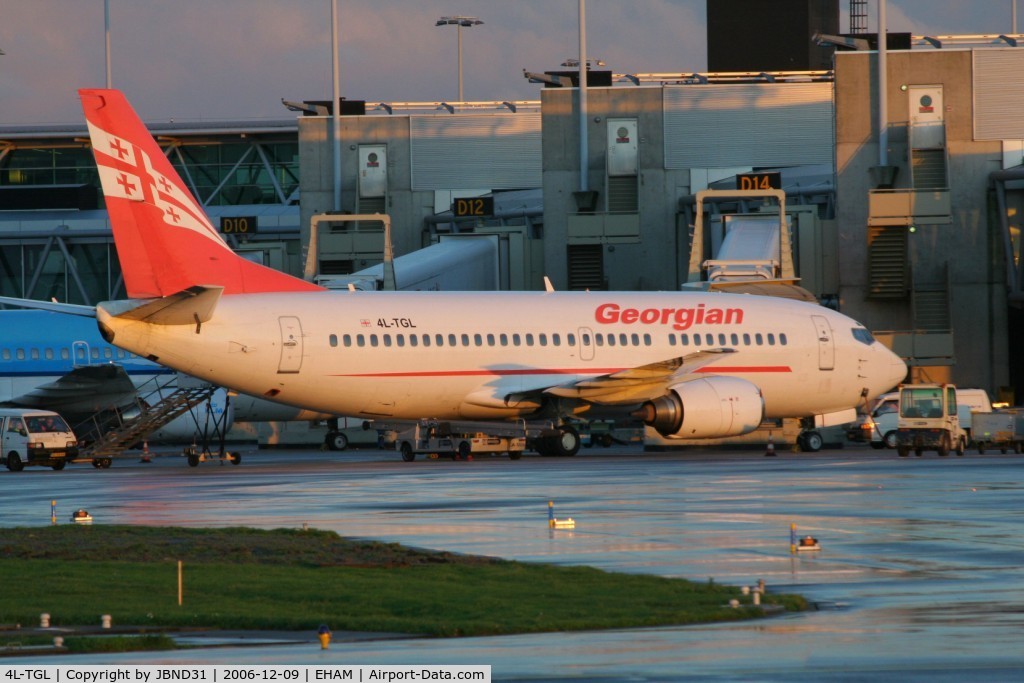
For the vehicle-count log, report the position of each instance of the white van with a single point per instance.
(879, 426)
(35, 437)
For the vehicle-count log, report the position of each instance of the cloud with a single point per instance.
(218, 59)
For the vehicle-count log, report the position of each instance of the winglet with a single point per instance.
(164, 239)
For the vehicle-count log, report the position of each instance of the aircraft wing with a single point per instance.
(633, 385)
(82, 392)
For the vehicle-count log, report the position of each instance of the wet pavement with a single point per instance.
(918, 576)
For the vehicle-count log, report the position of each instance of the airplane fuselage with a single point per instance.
(413, 355)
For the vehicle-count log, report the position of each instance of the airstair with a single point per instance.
(117, 431)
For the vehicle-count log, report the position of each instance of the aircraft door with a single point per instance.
(826, 345)
(79, 353)
(586, 342)
(291, 344)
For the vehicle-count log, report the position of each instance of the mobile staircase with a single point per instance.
(116, 431)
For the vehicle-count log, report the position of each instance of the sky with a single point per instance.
(198, 60)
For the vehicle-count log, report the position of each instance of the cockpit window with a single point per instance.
(863, 336)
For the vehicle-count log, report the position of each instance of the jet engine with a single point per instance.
(705, 408)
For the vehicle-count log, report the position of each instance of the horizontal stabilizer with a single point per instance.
(188, 307)
(35, 304)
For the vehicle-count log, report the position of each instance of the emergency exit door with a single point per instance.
(291, 344)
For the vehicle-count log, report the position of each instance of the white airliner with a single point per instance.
(692, 364)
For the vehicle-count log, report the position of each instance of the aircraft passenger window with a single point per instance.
(647, 339)
(671, 339)
(426, 340)
(515, 339)
(400, 339)
(758, 339)
(95, 353)
(120, 353)
(413, 340)
(696, 340)
(48, 354)
(503, 338)
(782, 338)
(542, 338)
(452, 340)
(623, 339)
(360, 340)
(346, 339)
(635, 339)
(387, 340)
(771, 339)
(373, 340)
(490, 339)
(746, 339)
(79, 353)
(107, 353)
(6, 354)
(599, 338)
(710, 339)
(20, 354)
(64, 355)
(465, 340)
(478, 340)
(721, 339)
(735, 338)
(611, 340)
(34, 354)
(556, 339)
(529, 339)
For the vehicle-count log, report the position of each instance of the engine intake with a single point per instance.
(705, 408)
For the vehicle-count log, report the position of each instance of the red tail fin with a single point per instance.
(165, 241)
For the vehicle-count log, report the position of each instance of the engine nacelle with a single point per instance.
(709, 407)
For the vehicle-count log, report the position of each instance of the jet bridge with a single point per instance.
(753, 252)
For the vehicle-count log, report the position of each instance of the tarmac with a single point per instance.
(918, 576)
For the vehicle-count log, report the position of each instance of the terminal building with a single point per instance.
(907, 220)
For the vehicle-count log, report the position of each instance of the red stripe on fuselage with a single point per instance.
(561, 371)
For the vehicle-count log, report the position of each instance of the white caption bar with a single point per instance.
(146, 673)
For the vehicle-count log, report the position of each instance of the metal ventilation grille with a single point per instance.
(887, 262)
(622, 194)
(931, 311)
(929, 169)
(586, 266)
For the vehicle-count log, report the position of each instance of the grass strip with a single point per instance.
(240, 578)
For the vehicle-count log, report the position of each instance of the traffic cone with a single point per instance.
(145, 452)
(770, 453)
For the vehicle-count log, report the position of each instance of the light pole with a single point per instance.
(459, 22)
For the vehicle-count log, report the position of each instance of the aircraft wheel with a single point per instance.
(58, 465)
(812, 442)
(407, 454)
(568, 441)
(14, 463)
(236, 458)
(336, 441)
(193, 460)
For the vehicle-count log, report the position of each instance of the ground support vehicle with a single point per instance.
(1002, 429)
(344, 432)
(458, 442)
(35, 438)
(929, 420)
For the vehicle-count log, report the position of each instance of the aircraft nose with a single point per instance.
(897, 370)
